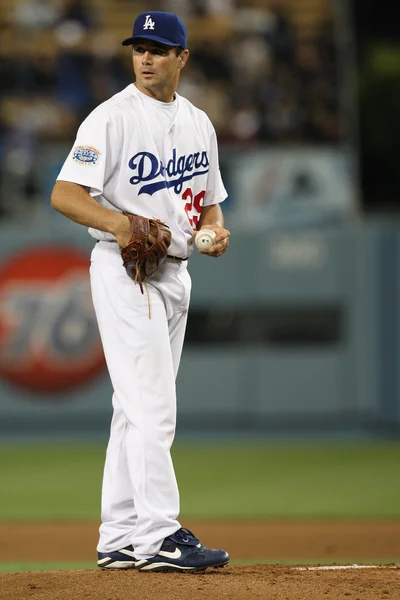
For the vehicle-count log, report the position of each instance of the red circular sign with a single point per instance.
(49, 340)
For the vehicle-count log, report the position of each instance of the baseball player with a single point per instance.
(146, 151)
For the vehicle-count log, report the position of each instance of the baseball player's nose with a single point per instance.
(146, 59)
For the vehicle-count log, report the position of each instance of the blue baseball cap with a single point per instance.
(163, 27)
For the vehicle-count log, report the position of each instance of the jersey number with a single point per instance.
(193, 206)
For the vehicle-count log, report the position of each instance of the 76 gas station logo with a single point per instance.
(49, 340)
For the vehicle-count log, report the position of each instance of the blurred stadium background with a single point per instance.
(289, 388)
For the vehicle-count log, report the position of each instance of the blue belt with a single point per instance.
(177, 259)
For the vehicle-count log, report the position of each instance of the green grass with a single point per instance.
(290, 481)
(21, 567)
(335, 480)
(277, 480)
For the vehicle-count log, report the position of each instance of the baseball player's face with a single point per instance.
(157, 69)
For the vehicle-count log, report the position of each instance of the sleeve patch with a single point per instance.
(85, 155)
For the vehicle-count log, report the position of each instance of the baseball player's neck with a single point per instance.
(160, 93)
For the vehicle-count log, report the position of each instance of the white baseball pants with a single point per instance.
(140, 498)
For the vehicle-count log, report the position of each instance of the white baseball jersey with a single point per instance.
(156, 159)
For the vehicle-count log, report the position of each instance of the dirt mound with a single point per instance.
(275, 541)
(233, 583)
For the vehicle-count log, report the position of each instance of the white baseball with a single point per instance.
(205, 239)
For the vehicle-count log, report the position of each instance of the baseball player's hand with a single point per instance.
(221, 242)
(123, 231)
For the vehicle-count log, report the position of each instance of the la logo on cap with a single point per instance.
(148, 24)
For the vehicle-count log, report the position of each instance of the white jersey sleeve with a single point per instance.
(216, 191)
(95, 153)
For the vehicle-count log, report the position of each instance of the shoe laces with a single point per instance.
(184, 536)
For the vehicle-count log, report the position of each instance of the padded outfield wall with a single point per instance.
(303, 339)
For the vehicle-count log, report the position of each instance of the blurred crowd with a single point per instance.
(259, 78)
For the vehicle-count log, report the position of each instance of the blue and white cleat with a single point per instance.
(182, 551)
(120, 559)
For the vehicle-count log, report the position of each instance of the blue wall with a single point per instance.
(342, 282)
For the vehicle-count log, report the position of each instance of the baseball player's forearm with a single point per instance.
(211, 215)
(74, 202)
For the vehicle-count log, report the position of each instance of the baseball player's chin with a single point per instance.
(147, 83)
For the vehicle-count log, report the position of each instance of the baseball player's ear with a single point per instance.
(183, 59)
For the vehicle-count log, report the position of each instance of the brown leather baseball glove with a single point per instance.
(147, 249)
